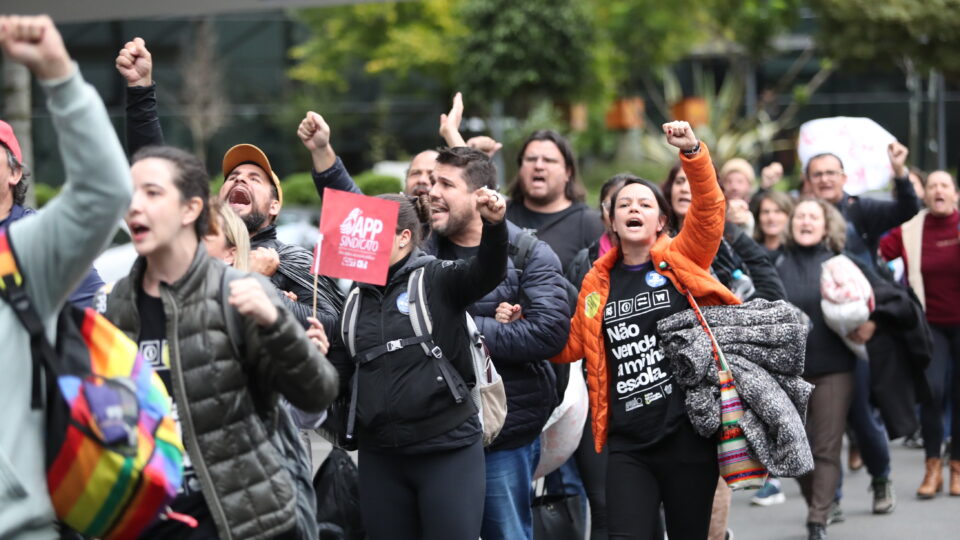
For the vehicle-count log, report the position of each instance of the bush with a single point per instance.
(371, 183)
(44, 193)
(298, 190)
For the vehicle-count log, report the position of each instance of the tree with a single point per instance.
(203, 97)
(535, 48)
(858, 32)
(920, 37)
(398, 37)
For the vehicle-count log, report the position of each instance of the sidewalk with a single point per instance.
(912, 519)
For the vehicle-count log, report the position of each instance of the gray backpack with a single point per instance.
(488, 393)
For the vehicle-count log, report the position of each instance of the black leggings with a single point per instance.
(680, 472)
(593, 473)
(437, 495)
(944, 387)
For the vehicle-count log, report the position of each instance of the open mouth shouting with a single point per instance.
(634, 224)
(239, 198)
(138, 231)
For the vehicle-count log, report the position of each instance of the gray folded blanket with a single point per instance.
(764, 345)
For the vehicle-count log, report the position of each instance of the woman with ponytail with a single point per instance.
(422, 472)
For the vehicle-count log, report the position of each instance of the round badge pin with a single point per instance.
(655, 280)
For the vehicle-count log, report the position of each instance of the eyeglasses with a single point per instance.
(825, 174)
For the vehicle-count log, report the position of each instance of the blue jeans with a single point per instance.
(867, 426)
(506, 507)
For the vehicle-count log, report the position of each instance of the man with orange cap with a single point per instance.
(250, 187)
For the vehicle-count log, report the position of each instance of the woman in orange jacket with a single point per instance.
(655, 456)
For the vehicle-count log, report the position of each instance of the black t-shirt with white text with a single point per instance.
(152, 342)
(646, 404)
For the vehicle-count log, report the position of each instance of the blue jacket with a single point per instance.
(521, 349)
(83, 295)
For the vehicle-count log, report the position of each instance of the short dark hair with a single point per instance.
(191, 178)
(665, 208)
(414, 214)
(478, 169)
(574, 189)
(20, 189)
(806, 169)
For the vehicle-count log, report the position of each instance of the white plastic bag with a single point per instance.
(847, 299)
(562, 432)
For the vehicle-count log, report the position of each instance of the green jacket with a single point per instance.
(230, 414)
(54, 248)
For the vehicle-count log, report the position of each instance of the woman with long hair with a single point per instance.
(636, 406)
(773, 211)
(228, 238)
(422, 469)
(816, 233)
(238, 481)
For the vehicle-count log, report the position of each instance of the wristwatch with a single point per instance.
(692, 151)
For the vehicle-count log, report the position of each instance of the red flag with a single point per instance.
(357, 234)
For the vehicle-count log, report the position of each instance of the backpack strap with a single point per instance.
(13, 290)
(522, 247)
(348, 330)
(423, 328)
(348, 320)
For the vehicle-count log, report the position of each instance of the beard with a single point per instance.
(454, 225)
(254, 221)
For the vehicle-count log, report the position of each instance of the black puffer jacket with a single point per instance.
(403, 396)
(231, 413)
(294, 276)
(520, 349)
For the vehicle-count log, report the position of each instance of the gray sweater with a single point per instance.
(55, 249)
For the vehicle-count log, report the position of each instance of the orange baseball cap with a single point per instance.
(248, 153)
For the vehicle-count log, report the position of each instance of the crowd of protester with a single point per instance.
(547, 280)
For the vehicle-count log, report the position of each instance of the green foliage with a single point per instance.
(299, 190)
(752, 23)
(383, 36)
(44, 193)
(857, 32)
(729, 134)
(529, 48)
(371, 183)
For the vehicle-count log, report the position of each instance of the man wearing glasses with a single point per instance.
(867, 219)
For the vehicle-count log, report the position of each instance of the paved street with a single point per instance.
(937, 519)
(912, 519)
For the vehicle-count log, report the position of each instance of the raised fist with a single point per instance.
(135, 63)
(314, 132)
(898, 158)
(35, 43)
(680, 134)
(492, 205)
(770, 175)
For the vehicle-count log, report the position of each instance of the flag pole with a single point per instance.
(315, 270)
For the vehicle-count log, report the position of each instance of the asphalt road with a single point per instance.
(912, 519)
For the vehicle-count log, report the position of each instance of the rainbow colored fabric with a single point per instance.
(737, 468)
(106, 490)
